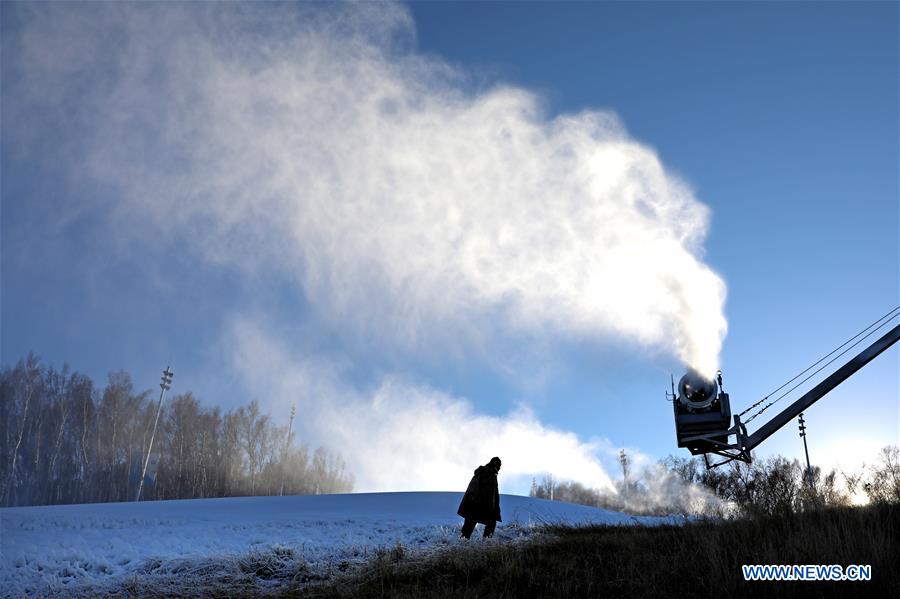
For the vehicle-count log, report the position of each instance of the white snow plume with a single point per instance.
(314, 142)
(658, 490)
(403, 436)
(651, 487)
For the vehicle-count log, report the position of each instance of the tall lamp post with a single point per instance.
(165, 385)
(809, 477)
(287, 446)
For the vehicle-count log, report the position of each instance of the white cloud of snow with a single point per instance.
(312, 144)
(316, 143)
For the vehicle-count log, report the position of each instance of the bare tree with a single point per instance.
(255, 439)
(26, 380)
(882, 484)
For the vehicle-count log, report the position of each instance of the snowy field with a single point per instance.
(61, 549)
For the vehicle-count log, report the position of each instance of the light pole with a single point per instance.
(809, 479)
(287, 446)
(164, 386)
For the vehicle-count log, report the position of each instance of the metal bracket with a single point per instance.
(731, 451)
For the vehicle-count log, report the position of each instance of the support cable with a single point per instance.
(768, 405)
(886, 318)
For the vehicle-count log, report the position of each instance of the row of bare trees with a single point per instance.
(766, 487)
(64, 440)
(777, 484)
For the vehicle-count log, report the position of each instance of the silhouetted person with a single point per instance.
(481, 503)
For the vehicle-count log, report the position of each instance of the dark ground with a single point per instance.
(701, 559)
(698, 559)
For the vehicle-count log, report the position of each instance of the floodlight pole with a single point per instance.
(809, 477)
(287, 446)
(164, 386)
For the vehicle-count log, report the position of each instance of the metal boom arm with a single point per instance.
(817, 392)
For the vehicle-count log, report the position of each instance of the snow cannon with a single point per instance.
(702, 409)
(702, 413)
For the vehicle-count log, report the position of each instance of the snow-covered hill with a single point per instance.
(43, 549)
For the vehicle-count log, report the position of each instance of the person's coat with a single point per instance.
(482, 499)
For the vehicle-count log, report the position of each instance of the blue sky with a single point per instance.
(118, 252)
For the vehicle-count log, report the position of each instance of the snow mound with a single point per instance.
(53, 549)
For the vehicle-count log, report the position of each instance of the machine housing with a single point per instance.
(702, 414)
